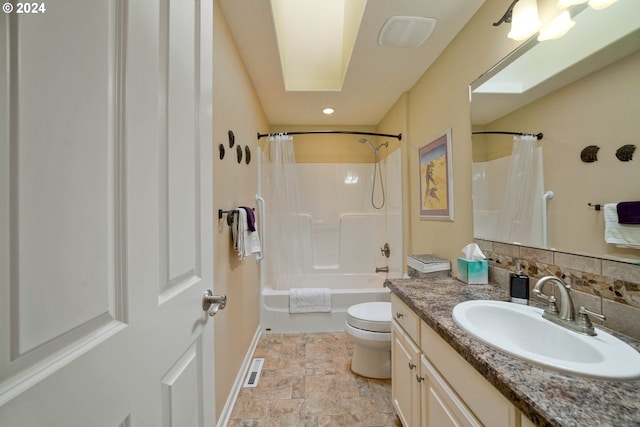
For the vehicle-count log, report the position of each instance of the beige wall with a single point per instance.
(235, 107)
(439, 101)
(601, 109)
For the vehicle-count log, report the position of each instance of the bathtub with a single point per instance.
(346, 290)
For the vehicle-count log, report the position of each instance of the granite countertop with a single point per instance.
(546, 397)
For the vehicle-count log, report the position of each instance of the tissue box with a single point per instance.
(473, 272)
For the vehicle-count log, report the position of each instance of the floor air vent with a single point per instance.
(254, 373)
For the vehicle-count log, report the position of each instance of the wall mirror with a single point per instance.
(579, 90)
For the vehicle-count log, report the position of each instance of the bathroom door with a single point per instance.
(105, 213)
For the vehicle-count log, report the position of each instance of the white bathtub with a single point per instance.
(346, 290)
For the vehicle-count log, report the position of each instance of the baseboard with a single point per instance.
(225, 415)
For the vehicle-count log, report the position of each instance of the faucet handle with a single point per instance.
(583, 322)
(586, 313)
(551, 308)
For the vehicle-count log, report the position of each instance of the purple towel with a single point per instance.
(251, 218)
(629, 212)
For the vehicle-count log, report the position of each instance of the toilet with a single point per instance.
(369, 327)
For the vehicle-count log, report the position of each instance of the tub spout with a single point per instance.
(382, 269)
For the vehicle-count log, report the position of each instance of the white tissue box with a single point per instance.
(473, 272)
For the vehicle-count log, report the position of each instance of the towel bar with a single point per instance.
(229, 215)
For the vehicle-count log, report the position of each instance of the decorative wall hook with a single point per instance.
(589, 154)
(625, 153)
(232, 138)
(239, 153)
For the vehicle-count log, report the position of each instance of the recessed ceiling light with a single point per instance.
(328, 111)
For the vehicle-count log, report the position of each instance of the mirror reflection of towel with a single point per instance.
(628, 212)
(621, 235)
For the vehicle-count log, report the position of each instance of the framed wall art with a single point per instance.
(436, 178)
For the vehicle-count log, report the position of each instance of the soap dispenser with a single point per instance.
(519, 286)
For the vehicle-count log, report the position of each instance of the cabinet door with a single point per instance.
(485, 401)
(405, 388)
(440, 406)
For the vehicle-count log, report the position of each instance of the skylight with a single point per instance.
(315, 40)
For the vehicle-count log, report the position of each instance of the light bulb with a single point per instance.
(601, 4)
(524, 20)
(557, 28)
(563, 4)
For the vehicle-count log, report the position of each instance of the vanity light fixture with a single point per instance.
(524, 20)
(595, 4)
(563, 4)
(523, 16)
(328, 111)
(601, 4)
(557, 28)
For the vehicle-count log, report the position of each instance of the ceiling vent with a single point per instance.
(406, 31)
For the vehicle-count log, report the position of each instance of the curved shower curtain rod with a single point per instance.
(537, 135)
(348, 132)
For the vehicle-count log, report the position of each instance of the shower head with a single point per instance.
(363, 141)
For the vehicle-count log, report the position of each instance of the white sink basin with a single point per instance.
(520, 330)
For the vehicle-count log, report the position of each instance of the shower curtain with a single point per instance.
(521, 215)
(285, 233)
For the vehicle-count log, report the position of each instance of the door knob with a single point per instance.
(212, 303)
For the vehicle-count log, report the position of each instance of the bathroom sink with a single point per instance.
(520, 330)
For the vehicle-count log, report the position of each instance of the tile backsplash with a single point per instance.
(601, 285)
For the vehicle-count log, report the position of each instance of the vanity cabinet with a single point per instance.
(433, 386)
(405, 369)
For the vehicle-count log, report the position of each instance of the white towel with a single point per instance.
(245, 242)
(621, 235)
(309, 300)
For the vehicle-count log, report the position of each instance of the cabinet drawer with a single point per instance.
(406, 318)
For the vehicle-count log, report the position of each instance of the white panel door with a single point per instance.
(106, 214)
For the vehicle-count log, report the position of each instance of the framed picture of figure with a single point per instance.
(436, 178)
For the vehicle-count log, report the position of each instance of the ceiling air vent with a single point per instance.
(406, 31)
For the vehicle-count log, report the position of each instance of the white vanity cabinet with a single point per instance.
(433, 386)
(405, 369)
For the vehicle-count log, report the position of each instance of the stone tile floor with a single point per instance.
(306, 381)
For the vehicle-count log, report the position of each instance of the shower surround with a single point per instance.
(342, 239)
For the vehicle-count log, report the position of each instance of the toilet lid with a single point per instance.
(370, 316)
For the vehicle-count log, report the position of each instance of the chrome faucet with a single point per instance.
(382, 269)
(566, 316)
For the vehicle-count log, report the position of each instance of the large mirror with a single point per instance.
(579, 91)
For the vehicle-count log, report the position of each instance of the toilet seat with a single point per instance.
(370, 316)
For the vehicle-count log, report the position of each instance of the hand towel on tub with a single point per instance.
(622, 235)
(309, 300)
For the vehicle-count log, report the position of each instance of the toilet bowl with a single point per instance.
(369, 327)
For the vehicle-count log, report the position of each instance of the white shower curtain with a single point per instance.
(285, 231)
(521, 215)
